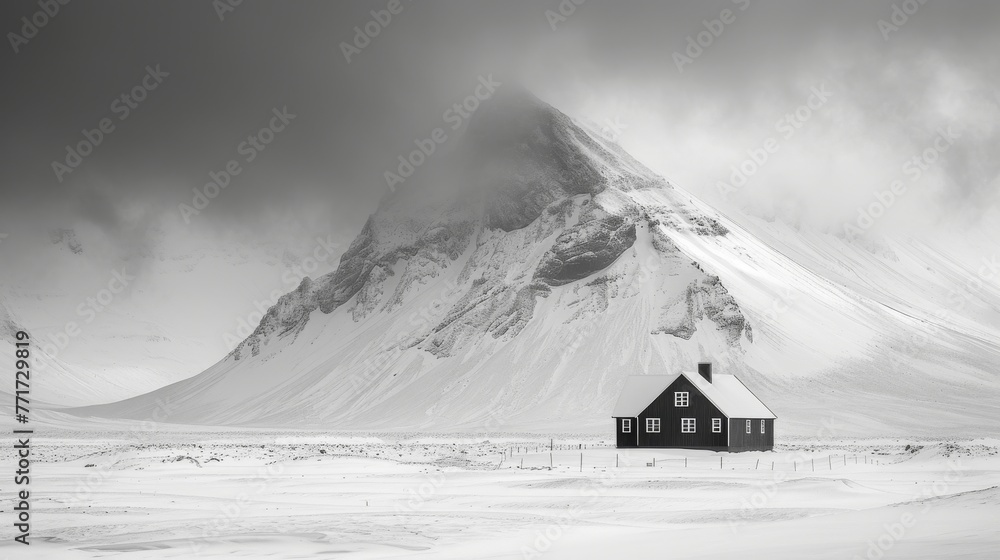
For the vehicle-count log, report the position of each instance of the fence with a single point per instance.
(602, 457)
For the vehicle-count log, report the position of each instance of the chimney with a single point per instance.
(705, 370)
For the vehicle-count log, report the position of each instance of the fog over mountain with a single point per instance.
(689, 112)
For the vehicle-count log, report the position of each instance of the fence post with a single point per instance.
(757, 465)
(720, 462)
(522, 462)
(550, 460)
(812, 462)
(581, 462)
(616, 460)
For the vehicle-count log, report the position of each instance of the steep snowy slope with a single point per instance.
(514, 282)
(8, 324)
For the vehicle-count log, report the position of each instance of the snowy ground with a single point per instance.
(313, 495)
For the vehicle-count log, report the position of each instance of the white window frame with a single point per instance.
(748, 427)
(688, 425)
(762, 426)
(682, 399)
(652, 425)
(716, 425)
(626, 425)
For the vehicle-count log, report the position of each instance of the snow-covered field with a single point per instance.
(267, 494)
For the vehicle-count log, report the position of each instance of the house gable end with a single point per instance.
(671, 420)
(682, 383)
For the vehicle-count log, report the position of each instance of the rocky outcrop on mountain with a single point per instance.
(706, 298)
(697, 222)
(496, 311)
(362, 272)
(706, 225)
(288, 315)
(588, 247)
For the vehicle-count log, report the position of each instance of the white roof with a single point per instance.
(726, 392)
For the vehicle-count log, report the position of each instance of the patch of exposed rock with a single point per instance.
(704, 298)
(588, 247)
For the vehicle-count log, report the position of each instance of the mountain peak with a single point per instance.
(511, 109)
(524, 155)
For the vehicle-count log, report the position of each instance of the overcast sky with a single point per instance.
(882, 93)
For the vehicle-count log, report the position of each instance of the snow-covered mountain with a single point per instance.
(516, 279)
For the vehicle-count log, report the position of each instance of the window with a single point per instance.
(687, 425)
(626, 425)
(652, 425)
(681, 398)
(748, 426)
(716, 425)
(762, 426)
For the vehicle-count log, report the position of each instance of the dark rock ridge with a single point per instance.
(586, 248)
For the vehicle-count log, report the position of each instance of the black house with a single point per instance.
(694, 411)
